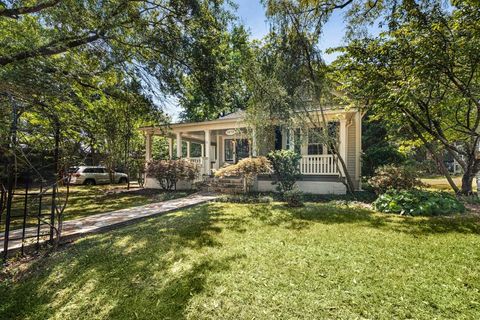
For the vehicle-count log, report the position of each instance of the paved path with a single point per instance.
(103, 221)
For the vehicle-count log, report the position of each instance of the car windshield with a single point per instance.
(72, 169)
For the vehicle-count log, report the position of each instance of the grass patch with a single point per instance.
(88, 200)
(265, 197)
(263, 261)
(441, 183)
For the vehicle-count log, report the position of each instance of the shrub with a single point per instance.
(294, 198)
(285, 164)
(394, 177)
(418, 202)
(248, 169)
(169, 172)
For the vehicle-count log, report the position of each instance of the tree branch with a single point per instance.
(15, 12)
(50, 49)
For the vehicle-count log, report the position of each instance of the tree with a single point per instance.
(297, 87)
(97, 68)
(422, 74)
(219, 86)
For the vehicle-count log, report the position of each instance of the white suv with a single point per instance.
(90, 175)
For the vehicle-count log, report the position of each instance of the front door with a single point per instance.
(236, 149)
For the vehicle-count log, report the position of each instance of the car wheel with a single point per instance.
(89, 182)
(123, 180)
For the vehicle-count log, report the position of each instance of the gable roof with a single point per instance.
(233, 115)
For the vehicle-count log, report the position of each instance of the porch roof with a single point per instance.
(231, 120)
(234, 120)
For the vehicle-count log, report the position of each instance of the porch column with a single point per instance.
(254, 142)
(170, 148)
(217, 148)
(179, 145)
(148, 147)
(207, 152)
(291, 138)
(188, 149)
(202, 153)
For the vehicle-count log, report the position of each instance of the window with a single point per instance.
(278, 138)
(315, 145)
(333, 132)
(94, 170)
(236, 149)
(242, 149)
(297, 140)
(229, 146)
(316, 139)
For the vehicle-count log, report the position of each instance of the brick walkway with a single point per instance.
(104, 221)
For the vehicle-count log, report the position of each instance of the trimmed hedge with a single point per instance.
(418, 203)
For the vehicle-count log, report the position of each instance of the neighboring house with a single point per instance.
(457, 168)
(226, 140)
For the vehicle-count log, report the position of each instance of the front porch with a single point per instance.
(210, 144)
(214, 144)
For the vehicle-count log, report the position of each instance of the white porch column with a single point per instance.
(202, 153)
(148, 147)
(188, 149)
(170, 148)
(207, 151)
(179, 145)
(291, 138)
(254, 142)
(217, 149)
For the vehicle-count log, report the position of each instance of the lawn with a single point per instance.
(441, 183)
(258, 261)
(87, 200)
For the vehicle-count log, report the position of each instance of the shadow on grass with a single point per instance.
(153, 269)
(141, 271)
(297, 218)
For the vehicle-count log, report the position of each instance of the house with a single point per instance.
(227, 139)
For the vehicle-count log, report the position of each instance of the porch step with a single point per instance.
(223, 185)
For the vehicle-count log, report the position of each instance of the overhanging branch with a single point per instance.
(15, 12)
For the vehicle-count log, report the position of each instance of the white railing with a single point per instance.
(318, 165)
(200, 164)
(197, 160)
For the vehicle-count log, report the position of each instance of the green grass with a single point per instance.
(259, 261)
(88, 200)
(441, 183)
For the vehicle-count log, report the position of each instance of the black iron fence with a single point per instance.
(30, 214)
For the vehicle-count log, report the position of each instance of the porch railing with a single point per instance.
(197, 160)
(200, 163)
(318, 165)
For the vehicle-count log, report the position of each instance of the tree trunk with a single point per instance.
(469, 172)
(467, 182)
(438, 159)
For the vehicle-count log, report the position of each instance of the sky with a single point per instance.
(252, 15)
